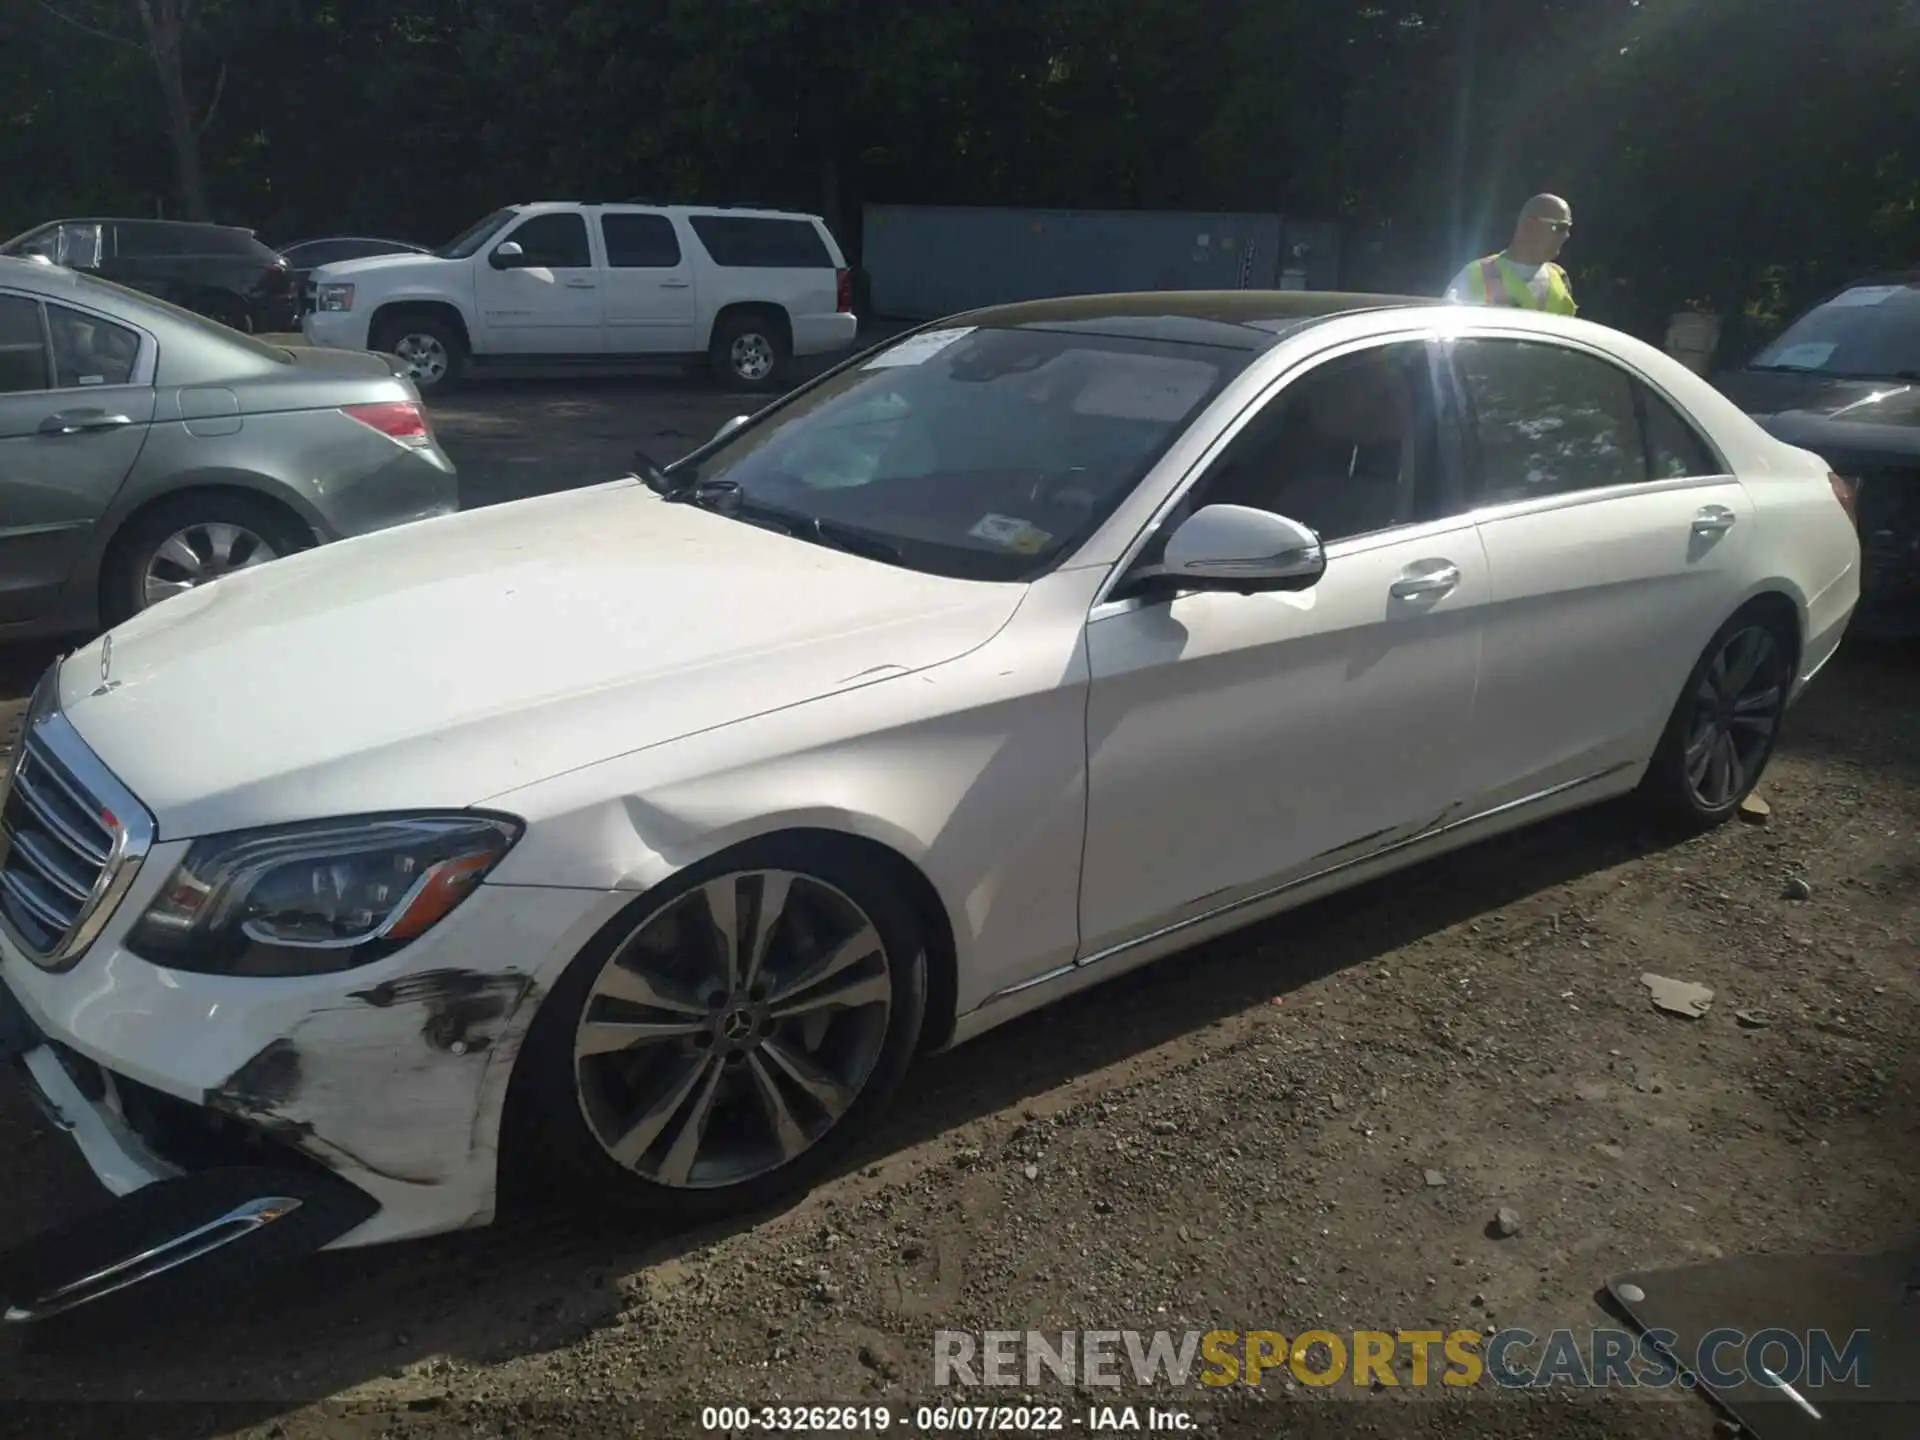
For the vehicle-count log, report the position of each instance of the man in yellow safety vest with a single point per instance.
(1524, 274)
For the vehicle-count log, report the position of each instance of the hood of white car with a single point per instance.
(405, 260)
(447, 661)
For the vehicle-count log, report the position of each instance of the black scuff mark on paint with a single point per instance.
(270, 1079)
(273, 1078)
(460, 1005)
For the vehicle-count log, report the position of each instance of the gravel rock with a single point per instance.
(1506, 1222)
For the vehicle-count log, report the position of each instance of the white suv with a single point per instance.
(532, 286)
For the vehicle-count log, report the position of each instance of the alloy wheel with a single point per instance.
(732, 1029)
(751, 356)
(199, 554)
(1736, 711)
(425, 357)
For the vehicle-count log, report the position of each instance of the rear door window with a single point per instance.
(1544, 419)
(1675, 449)
(144, 240)
(750, 242)
(23, 346)
(89, 350)
(640, 242)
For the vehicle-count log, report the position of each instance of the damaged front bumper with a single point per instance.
(391, 1077)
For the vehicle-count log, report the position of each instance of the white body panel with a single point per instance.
(1084, 784)
(595, 310)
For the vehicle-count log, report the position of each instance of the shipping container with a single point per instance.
(925, 261)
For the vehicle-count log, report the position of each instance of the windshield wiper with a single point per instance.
(725, 497)
(854, 542)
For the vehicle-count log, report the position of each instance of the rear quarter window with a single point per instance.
(744, 242)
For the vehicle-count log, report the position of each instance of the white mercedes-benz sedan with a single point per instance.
(643, 834)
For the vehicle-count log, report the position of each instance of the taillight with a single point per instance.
(1847, 492)
(398, 420)
(845, 281)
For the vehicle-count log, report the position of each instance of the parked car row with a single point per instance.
(221, 271)
(642, 835)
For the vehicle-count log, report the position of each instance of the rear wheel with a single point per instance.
(431, 349)
(750, 351)
(1725, 725)
(721, 1050)
(189, 541)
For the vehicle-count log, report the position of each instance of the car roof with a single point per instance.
(40, 276)
(1887, 277)
(1239, 319)
(748, 212)
(143, 220)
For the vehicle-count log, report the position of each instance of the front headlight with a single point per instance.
(333, 297)
(319, 897)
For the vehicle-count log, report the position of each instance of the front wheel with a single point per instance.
(431, 350)
(1724, 727)
(726, 1046)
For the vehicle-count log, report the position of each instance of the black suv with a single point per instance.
(1844, 382)
(221, 271)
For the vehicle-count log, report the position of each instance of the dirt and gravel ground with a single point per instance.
(1238, 1138)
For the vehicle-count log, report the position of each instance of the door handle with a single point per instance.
(1427, 577)
(78, 422)
(674, 284)
(578, 284)
(1713, 520)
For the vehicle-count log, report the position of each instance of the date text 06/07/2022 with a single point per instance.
(1095, 1420)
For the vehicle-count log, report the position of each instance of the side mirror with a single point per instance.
(727, 429)
(507, 256)
(1236, 547)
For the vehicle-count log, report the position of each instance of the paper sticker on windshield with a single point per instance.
(1808, 356)
(1145, 387)
(918, 349)
(1867, 295)
(1010, 534)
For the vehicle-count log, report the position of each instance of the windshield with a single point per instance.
(982, 454)
(469, 240)
(1870, 332)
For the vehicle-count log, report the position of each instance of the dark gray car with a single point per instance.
(145, 450)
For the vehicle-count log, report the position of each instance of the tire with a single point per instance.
(135, 568)
(749, 352)
(572, 1103)
(432, 349)
(1722, 715)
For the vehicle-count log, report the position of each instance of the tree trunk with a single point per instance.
(162, 23)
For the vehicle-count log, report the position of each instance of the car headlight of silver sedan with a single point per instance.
(333, 297)
(314, 898)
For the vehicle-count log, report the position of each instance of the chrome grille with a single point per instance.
(70, 840)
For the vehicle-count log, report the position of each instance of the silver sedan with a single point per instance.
(145, 450)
